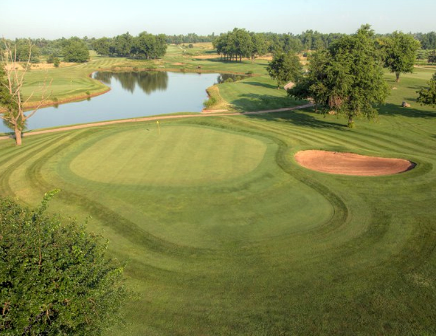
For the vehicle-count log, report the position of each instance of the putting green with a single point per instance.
(178, 156)
(190, 185)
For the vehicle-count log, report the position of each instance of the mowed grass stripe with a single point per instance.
(279, 250)
(283, 273)
(177, 156)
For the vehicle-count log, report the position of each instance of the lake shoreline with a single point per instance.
(125, 69)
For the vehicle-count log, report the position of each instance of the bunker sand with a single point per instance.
(351, 164)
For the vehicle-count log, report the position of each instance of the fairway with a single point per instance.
(224, 233)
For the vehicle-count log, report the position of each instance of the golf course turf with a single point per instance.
(224, 233)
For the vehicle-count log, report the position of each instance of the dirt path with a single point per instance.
(203, 114)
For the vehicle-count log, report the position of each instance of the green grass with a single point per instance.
(256, 94)
(226, 235)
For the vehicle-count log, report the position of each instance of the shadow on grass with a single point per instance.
(265, 85)
(245, 62)
(254, 102)
(410, 112)
(302, 118)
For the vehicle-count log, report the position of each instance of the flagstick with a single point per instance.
(158, 126)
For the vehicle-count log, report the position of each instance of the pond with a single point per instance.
(132, 94)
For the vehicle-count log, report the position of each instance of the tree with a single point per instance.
(148, 46)
(12, 80)
(56, 62)
(315, 84)
(75, 50)
(102, 46)
(432, 57)
(284, 68)
(21, 46)
(347, 77)
(259, 46)
(122, 45)
(400, 53)
(55, 278)
(427, 96)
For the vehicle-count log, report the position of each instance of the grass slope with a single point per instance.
(264, 246)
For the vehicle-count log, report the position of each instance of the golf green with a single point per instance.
(174, 183)
(177, 156)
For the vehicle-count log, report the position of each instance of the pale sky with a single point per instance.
(53, 19)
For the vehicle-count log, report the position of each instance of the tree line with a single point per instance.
(143, 46)
(306, 40)
(73, 49)
(148, 46)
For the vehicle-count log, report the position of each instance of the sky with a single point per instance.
(52, 19)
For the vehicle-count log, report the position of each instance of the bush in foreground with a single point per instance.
(54, 277)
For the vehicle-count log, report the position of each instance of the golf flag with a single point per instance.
(158, 126)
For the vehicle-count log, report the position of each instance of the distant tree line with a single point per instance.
(148, 46)
(189, 38)
(427, 40)
(73, 49)
(143, 46)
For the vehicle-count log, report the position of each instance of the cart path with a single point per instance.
(203, 114)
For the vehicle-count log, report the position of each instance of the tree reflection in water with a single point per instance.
(148, 81)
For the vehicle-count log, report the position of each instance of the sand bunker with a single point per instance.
(351, 164)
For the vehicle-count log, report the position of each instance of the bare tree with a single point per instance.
(14, 104)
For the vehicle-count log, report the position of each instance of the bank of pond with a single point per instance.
(132, 94)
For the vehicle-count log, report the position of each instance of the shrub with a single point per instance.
(209, 102)
(55, 278)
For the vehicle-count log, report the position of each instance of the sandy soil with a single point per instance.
(351, 164)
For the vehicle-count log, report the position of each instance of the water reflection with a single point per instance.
(134, 94)
(222, 78)
(147, 81)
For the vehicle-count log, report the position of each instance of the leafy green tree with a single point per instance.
(427, 96)
(240, 43)
(75, 50)
(431, 58)
(22, 51)
(102, 46)
(347, 77)
(148, 46)
(284, 68)
(122, 45)
(259, 46)
(6, 99)
(55, 278)
(291, 43)
(400, 53)
(315, 84)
